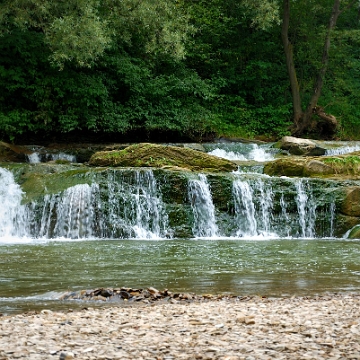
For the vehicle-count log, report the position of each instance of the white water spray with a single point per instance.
(35, 157)
(244, 209)
(253, 208)
(244, 152)
(13, 218)
(342, 150)
(203, 208)
(134, 208)
(70, 214)
(306, 209)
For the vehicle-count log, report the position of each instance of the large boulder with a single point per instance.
(351, 203)
(297, 146)
(316, 167)
(345, 166)
(160, 156)
(285, 167)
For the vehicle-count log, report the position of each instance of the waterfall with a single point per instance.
(332, 218)
(242, 152)
(121, 207)
(254, 201)
(203, 208)
(253, 208)
(306, 209)
(13, 218)
(342, 150)
(244, 209)
(128, 204)
(134, 207)
(285, 216)
(33, 158)
(36, 157)
(71, 214)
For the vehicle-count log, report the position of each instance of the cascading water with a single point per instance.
(242, 152)
(203, 208)
(306, 209)
(134, 207)
(255, 216)
(36, 157)
(121, 207)
(253, 208)
(71, 214)
(129, 204)
(12, 214)
(343, 149)
(244, 209)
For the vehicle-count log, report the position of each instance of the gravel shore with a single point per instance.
(326, 327)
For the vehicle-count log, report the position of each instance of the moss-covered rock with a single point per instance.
(160, 156)
(351, 203)
(40, 179)
(324, 166)
(354, 232)
(285, 167)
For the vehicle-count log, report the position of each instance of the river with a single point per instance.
(35, 274)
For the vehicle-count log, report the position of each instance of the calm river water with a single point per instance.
(33, 275)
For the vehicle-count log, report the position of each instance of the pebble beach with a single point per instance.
(326, 327)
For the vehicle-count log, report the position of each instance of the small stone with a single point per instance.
(125, 295)
(46, 312)
(240, 318)
(67, 356)
(249, 320)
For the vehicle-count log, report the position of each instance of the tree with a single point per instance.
(302, 117)
(81, 30)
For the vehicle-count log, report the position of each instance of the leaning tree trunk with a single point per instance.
(312, 106)
(289, 55)
(302, 120)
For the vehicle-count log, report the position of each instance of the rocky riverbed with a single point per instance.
(326, 327)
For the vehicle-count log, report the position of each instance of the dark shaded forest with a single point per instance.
(195, 70)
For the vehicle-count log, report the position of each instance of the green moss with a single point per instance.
(159, 156)
(41, 179)
(285, 167)
(344, 166)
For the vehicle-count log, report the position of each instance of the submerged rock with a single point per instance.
(137, 295)
(297, 146)
(160, 156)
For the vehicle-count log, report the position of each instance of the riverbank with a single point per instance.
(326, 327)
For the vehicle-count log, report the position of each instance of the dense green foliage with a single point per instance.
(190, 67)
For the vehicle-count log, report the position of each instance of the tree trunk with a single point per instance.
(311, 108)
(289, 55)
(302, 120)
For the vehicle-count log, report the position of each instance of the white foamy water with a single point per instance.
(343, 150)
(12, 213)
(245, 152)
(63, 156)
(36, 157)
(130, 206)
(203, 208)
(229, 155)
